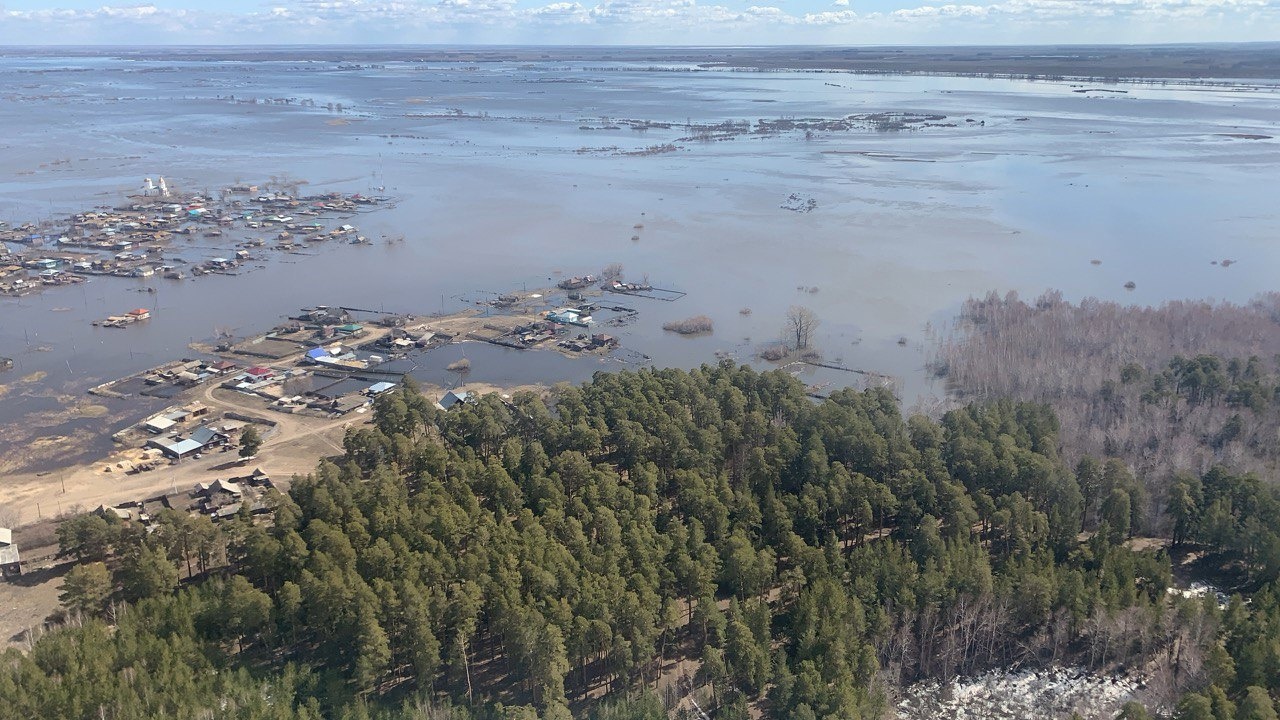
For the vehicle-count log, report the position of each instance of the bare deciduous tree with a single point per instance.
(800, 326)
(1096, 362)
(9, 516)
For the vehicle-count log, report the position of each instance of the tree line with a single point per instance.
(651, 537)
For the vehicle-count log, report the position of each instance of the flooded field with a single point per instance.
(879, 202)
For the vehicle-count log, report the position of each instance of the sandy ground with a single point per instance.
(26, 601)
(293, 446)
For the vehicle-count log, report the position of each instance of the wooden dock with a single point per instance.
(868, 373)
(653, 293)
(362, 310)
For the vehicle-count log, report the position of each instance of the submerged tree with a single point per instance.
(800, 325)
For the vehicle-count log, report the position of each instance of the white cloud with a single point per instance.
(672, 21)
(841, 17)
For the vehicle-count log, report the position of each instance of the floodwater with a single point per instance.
(499, 187)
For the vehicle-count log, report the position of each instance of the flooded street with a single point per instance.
(508, 174)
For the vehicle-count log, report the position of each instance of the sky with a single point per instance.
(636, 22)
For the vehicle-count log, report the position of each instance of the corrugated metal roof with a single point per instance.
(178, 449)
(183, 447)
(204, 435)
(159, 423)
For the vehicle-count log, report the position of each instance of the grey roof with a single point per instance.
(204, 435)
(160, 423)
(452, 398)
(226, 486)
(183, 447)
(8, 554)
(178, 449)
(117, 511)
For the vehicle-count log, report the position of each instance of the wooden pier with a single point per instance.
(653, 293)
(829, 366)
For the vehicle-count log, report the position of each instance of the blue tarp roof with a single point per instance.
(317, 353)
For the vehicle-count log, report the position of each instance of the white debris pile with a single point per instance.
(1004, 695)
(1198, 590)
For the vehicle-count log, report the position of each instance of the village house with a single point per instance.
(453, 398)
(199, 440)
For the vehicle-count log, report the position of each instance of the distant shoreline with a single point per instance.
(1220, 63)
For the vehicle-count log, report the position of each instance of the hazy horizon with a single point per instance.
(638, 22)
(9, 47)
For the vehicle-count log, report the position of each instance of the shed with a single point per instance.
(10, 562)
(119, 512)
(196, 408)
(158, 424)
(344, 405)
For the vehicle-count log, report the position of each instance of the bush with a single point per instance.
(775, 352)
(690, 326)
